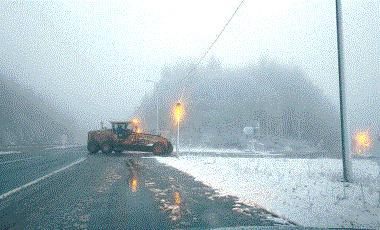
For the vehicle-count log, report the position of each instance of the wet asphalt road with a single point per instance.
(69, 189)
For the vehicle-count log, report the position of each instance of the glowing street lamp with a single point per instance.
(362, 139)
(136, 126)
(178, 113)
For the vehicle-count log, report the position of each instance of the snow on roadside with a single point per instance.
(63, 147)
(306, 191)
(209, 150)
(8, 152)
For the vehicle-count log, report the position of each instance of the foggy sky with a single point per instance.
(92, 58)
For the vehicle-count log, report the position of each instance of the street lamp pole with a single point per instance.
(155, 87)
(178, 135)
(178, 115)
(157, 131)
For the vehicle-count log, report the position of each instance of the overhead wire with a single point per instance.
(209, 48)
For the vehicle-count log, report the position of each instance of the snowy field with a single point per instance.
(209, 150)
(306, 191)
(63, 146)
(8, 152)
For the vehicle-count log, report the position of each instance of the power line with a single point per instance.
(209, 48)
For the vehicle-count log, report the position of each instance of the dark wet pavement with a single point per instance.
(128, 191)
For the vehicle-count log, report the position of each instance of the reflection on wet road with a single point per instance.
(134, 171)
(129, 191)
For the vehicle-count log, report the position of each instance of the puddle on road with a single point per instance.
(135, 173)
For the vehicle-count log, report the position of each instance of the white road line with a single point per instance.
(40, 179)
(5, 162)
(9, 152)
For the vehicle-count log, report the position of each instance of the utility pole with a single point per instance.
(155, 87)
(347, 177)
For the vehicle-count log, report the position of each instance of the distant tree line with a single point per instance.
(26, 119)
(220, 101)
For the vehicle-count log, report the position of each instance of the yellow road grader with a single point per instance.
(126, 136)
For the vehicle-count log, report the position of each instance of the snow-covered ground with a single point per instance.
(306, 191)
(207, 150)
(64, 146)
(8, 152)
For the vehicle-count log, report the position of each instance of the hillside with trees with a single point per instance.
(220, 101)
(27, 119)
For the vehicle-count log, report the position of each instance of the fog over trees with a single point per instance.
(27, 119)
(90, 61)
(220, 101)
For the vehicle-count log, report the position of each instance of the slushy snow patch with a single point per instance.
(63, 146)
(8, 152)
(307, 191)
(208, 150)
